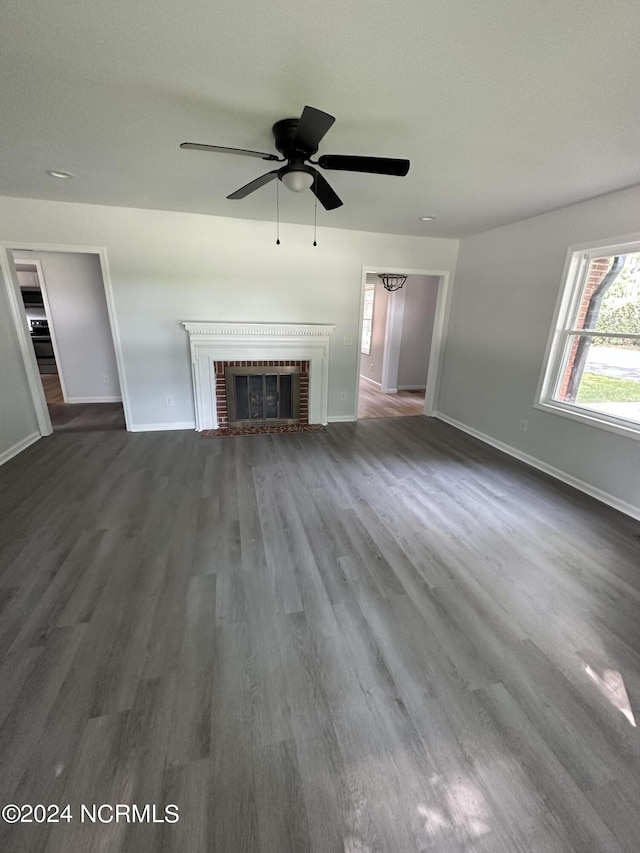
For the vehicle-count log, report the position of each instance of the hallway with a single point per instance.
(372, 403)
(79, 417)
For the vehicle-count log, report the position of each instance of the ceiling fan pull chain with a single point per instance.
(315, 219)
(277, 213)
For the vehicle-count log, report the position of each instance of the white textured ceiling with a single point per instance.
(506, 108)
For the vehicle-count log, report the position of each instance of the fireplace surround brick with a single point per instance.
(221, 387)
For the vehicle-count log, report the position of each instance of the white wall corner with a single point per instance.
(370, 381)
(19, 447)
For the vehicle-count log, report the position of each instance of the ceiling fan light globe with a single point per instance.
(297, 180)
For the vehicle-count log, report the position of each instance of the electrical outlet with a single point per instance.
(107, 380)
(343, 395)
(348, 342)
(371, 368)
(168, 401)
(523, 425)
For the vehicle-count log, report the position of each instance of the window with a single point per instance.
(367, 319)
(593, 371)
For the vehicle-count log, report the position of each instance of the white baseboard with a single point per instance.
(412, 387)
(19, 447)
(94, 399)
(372, 381)
(161, 427)
(341, 419)
(556, 473)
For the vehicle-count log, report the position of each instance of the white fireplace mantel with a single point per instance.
(211, 342)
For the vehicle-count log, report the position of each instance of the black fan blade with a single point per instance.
(197, 146)
(324, 193)
(373, 165)
(254, 185)
(312, 127)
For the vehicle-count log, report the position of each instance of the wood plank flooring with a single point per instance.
(52, 388)
(382, 637)
(71, 417)
(372, 403)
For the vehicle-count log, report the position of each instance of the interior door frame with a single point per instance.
(47, 310)
(439, 331)
(12, 287)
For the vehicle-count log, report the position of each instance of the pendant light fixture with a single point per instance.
(391, 280)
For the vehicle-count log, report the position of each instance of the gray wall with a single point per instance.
(417, 330)
(78, 314)
(507, 282)
(167, 267)
(17, 419)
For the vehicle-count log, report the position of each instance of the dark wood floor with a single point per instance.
(381, 637)
(372, 403)
(52, 388)
(73, 417)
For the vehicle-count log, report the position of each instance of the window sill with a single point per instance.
(591, 418)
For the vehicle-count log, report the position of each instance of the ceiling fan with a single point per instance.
(297, 141)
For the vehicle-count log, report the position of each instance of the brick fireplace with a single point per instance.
(279, 346)
(297, 393)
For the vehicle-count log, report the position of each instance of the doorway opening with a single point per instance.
(63, 304)
(399, 346)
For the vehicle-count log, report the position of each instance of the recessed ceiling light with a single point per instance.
(426, 218)
(56, 174)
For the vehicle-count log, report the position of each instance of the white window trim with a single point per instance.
(576, 264)
(369, 288)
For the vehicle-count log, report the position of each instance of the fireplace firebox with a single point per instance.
(259, 393)
(262, 395)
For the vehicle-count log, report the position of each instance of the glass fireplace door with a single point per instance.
(258, 397)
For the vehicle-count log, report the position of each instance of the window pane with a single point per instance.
(367, 321)
(368, 303)
(366, 337)
(611, 296)
(603, 375)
